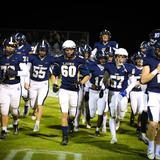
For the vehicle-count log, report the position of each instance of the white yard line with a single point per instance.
(61, 155)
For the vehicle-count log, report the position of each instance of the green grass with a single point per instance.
(45, 145)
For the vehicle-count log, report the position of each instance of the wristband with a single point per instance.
(154, 72)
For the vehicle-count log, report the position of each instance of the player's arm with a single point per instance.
(147, 75)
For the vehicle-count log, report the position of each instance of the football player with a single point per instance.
(39, 67)
(150, 76)
(69, 65)
(119, 72)
(12, 67)
(24, 49)
(105, 42)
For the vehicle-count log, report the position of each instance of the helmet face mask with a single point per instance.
(69, 53)
(42, 48)
(105, 32)
(20, 38)
(69, 48)
(121, 55)
(85, 51)
(10, 46)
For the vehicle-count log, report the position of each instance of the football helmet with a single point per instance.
(144, 44)
(121, 51)
(84, 49)
(69, 44)
(9, 42)
(9, 46)
(20, 38)
(42, 46)
(105, 32)
(69, 48)
(138, 59)
(100, 57)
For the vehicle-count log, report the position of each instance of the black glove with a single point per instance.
(55, 88)
(10, 73)
(77, 85)
(101, 93)
(86, 96)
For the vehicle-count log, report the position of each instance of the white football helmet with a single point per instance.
(121, 51)
(69, 44)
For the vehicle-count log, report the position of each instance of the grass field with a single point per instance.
(84, 145)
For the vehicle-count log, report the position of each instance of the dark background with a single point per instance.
(129, 24)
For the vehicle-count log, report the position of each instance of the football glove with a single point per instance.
(55, 88)
(101, 93)
(123, 93)
(10, 73)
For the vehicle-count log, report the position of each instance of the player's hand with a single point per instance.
(26, 86)
(10, 73)
(94, 87)
(123, 93)
(55, 88)
(101, 93)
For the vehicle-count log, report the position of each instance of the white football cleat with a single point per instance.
(76, 129)
(150, 153)
(36, 128)
(113, 140)
(33, 117)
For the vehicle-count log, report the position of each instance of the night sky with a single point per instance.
(129, 25)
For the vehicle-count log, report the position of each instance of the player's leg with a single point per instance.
(64, 104)
(42, 95)
(4, 104)
(15, 101)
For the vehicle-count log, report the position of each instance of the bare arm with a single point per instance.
(147, 75)
(85, 79)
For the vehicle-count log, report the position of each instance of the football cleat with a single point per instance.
(71, 128)
(15, 129)
(157, 156)
(113, 140)
(64, 140)
(97, 133)
(3, 134)
(76, 129)
(88, 126)
(150, 153)
(36, 128)
(143, 138)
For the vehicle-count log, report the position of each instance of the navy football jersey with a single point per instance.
(118, 76)
(154, 84)
(101, 46)
(70, 71)
(97, 72)
(13, 62)
(24, 50)
(40, 68)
